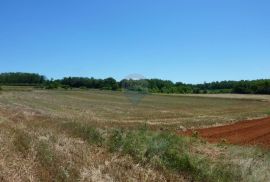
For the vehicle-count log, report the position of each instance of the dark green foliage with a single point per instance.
(196, 91)
(143, 85)
(173, 160)
(52, 85)
(135, 85)
(252, 87)
(165, 86)
(110, 84)
(241, 87)
(79, 82)
(21, 79)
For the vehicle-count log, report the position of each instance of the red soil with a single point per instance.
(253, 132)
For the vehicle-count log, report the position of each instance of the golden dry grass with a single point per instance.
(35, 147)
(114, 109)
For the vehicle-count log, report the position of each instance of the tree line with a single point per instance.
(21, 79)
(146, 85)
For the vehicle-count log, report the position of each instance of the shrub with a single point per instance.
(134, 145)
(66, 87)
(161, 143)
(52, 85)
(173, 160)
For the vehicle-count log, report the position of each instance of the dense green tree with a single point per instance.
(21, 79)
(144, 85)
(110, 84)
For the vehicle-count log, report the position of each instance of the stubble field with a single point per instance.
(90, 135)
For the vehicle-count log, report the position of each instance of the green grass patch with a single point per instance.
(160, 149)
(169, 151)
(84, 131)
(45, 154)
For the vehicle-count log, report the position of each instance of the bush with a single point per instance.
(52, 85)
(66, 87)
(173, 160)
(134, 145)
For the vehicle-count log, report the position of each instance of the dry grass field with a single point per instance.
(89, 135)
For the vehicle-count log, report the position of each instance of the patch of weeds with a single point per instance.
(207, 170)
(159, 144)
(173, 160)
(54, 166)
(116, 140)
(147, 146)
(134, 144)
(128, 143)
(160, 149)
(22, 142)
(45, 154)
(226, 172)
(84, 131)
(169, 151)
(267, 112)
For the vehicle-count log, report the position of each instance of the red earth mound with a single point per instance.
(252, 132)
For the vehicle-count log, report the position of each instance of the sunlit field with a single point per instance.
(108, 108)
(91, 135)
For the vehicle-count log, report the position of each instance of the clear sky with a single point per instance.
(182, 40)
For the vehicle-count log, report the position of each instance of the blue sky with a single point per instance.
(182, 40)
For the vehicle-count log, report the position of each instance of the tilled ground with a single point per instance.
(251, 132)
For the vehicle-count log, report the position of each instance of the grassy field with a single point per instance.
(114, 108)
(90, 135)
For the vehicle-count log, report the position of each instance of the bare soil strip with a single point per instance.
(251, 132)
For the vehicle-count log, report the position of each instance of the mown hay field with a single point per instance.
(90, 135)
(114, 108)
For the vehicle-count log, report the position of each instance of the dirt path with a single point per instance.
(254, 132)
